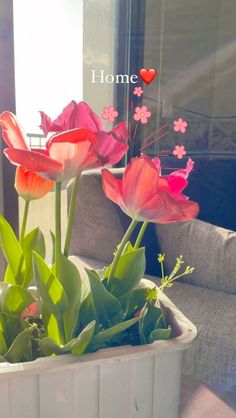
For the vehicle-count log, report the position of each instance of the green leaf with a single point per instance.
(71, 282)
(86, 313)
(49, 347)
(9, 276)
(85, 288)
(13, 327)
(3, 287)
(15, 299)
(148, 319)
(102, 336)
(124, 301)
(161, 322)
(160, 334)
(34, 240)
(51, 324)
(107, 308)
(3, 344)
(136, 300)
(53, 246)
(2, 322)
(129, 271)
(49, 287)
(75, 346)
(19, 347)
(84, 338)
(12, 250)
(128, 247)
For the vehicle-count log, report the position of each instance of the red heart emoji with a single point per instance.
(147, 75)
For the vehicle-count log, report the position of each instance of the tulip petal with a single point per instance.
(75, 150)
(151, 210)
(33, 161)
(121, 131)
(112, 188)
(176, 183)
(73, 116)
(46, 124)
(164, 208)
(140, 183)
(65, 120)
(84, 117)
(12, 132)
(29, 185)
(74, 157)
(190, 209)
(184, 172)
(73, 136)
(109, 148)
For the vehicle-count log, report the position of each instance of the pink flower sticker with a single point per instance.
(179, 151)
(180, 125)
(109, 113)
(142, 114)
(138, 91)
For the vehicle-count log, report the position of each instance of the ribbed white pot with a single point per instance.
(123, 382)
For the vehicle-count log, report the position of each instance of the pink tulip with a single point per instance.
(111, 145)
(145, 195)
(69, 152)
(177, 180)
(73, 116)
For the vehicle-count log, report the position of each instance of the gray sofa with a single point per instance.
(207, 297)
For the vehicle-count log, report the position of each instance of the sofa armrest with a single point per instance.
(97, 228)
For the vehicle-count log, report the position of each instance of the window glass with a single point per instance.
(192, 99)
(48, 39)
(192, 46)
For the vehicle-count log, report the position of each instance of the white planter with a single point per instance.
(123, 382)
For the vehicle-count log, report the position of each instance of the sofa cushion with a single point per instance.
(84, 262)
(208, 248)
(97, 228)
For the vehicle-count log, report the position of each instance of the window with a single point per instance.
(192, 46)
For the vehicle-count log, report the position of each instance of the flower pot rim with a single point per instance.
(184, 333)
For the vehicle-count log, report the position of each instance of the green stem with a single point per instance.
(121, 247)
(71, 215)
(58, 228)
(162, 271)
(24, 221)
(140, 235)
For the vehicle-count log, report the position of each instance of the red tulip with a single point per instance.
(73, 116)
(30, 185)
(144, 195)
(30, 311)
(66, 154)
(15, 138)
